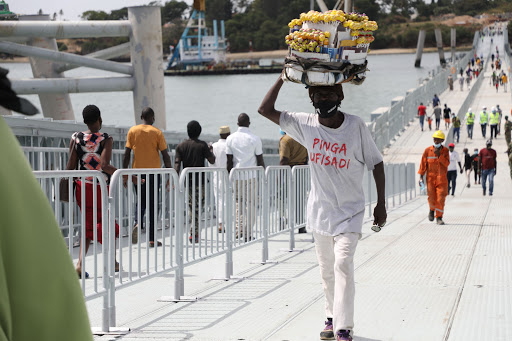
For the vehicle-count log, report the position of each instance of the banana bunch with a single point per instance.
(361, 29)
(318, 17)
(307, 40)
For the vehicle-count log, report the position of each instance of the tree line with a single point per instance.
(263, 23)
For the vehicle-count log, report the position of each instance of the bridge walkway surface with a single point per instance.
(415, 280)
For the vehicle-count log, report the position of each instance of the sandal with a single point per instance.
(79, 272)
(152, 244)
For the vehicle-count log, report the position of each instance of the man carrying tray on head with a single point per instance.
(339, 146)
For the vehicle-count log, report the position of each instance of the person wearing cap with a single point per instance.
(434, 163)
(193, 152)
(451, 175)
(38, 285)
(484, 118)
(470, 121)
(488, 165)
(219, 151)
(494, 120)
(340, 147)
(292, 153)
(146, 142)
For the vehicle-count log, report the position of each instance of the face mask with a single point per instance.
(437, 145)
(326, 109)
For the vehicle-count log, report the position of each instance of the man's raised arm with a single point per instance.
(267, 107)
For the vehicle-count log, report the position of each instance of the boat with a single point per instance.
(196, 49)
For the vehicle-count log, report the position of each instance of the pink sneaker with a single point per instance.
(327, 333)
(343, 335)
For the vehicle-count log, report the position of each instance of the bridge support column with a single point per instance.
(453, 35)
(439, 41)
(147, 60)
(56, 106)
(419, 48)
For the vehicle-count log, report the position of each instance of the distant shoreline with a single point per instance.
(282, 53)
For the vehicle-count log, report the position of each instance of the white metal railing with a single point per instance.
(248, 203)
(390, 123)
(50, 183)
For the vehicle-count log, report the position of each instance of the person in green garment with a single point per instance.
(40, 297)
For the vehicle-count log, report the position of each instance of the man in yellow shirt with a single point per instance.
(292, 153)
(146, 142)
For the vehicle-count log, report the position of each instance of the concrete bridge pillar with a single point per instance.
(147, 60)
(56, 106)
(419, 48)
(439, 41)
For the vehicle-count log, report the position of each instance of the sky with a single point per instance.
(72, 9)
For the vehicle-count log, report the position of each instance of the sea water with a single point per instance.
(218, 100)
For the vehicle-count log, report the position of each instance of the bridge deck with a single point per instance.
(415, 280)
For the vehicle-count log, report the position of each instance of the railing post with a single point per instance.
(179, 285)
(290, 208)
(229, 225)
(369, 194)
(266, 210)
(111, 253)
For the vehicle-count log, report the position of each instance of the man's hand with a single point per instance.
(379, 214)
(437, 151)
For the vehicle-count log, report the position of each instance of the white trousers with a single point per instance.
(336, 260)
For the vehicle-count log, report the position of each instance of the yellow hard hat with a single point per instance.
(438, 135)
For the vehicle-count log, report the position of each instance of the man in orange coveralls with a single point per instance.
(434, 162)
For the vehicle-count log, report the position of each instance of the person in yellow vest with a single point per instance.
(470, 121)
(484, 117)
(504, 81)
(494, 120)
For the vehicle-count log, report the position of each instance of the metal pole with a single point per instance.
(31, 27)
(56, 105)
(50, 86)
(348, 6)
(419, 48)
(61, 57)
(111, 52)
(228, 224)
(147, 60)
(266, 214)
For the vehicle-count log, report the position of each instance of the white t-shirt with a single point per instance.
(337, 158)
(454, 159)
(244, 146)
(219, 150)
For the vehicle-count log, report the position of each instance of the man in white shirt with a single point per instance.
(219, 150)
(339, 146)
(244, 149)
(452, 168)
